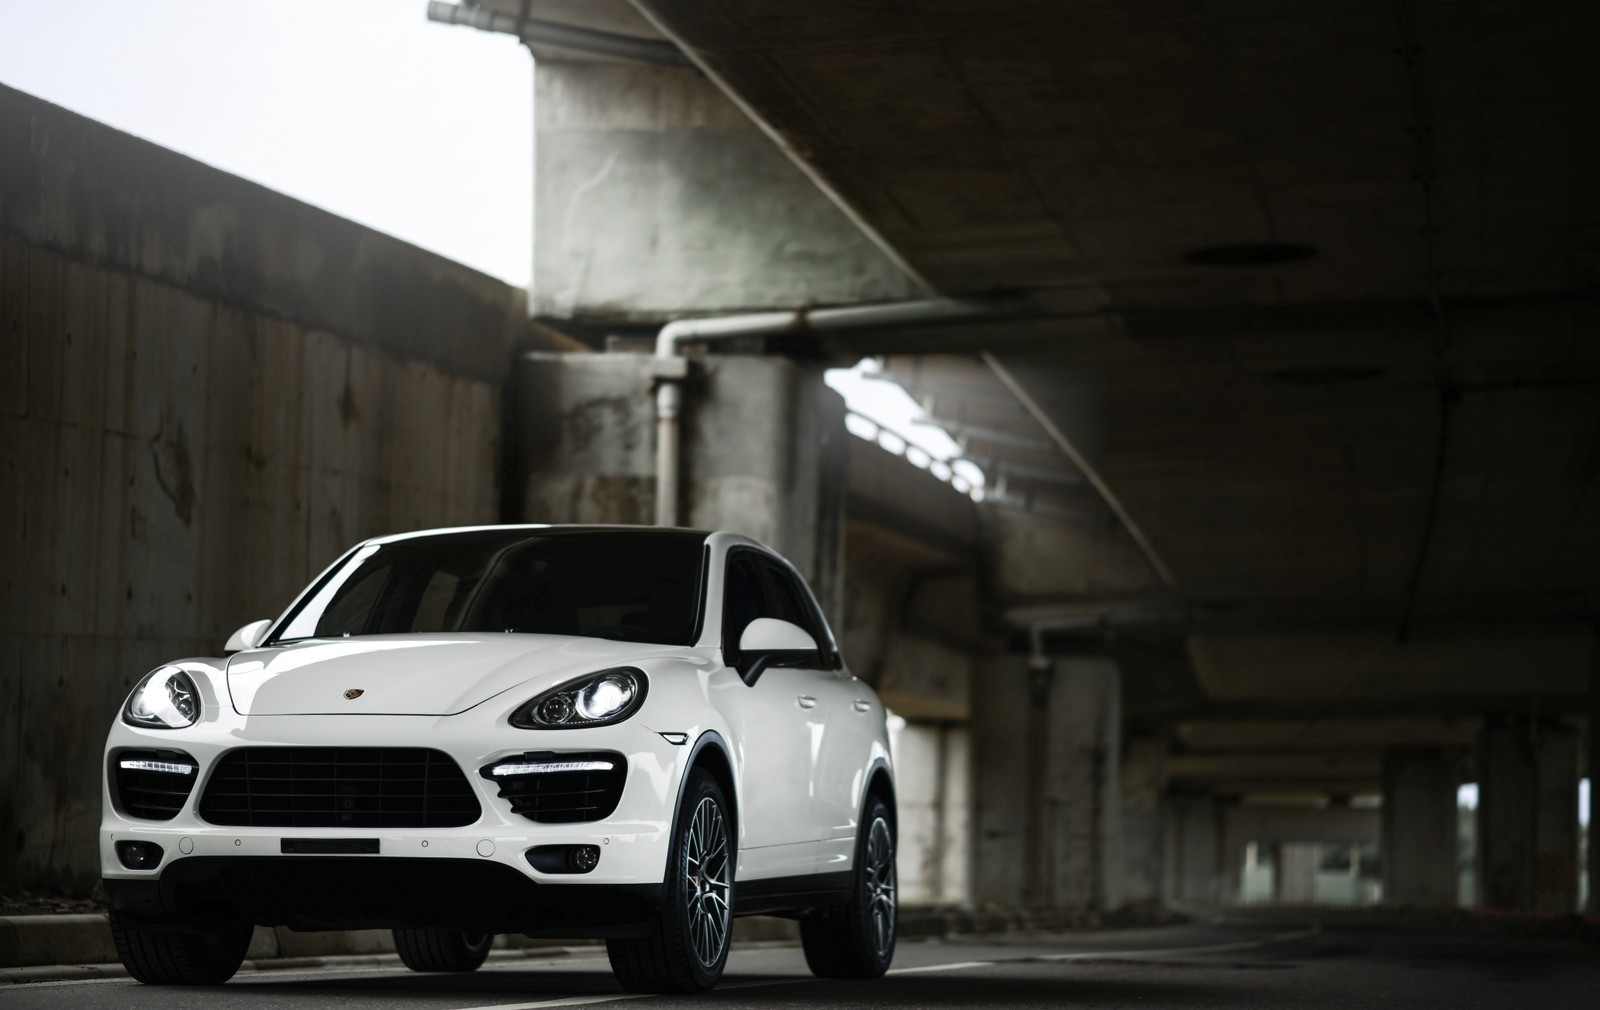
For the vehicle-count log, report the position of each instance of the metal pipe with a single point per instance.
(584, 40)
(671, 369)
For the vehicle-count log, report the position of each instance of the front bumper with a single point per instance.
(366, 892)
(452, 877)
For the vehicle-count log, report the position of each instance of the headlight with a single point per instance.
(165, 699)
(607, 697)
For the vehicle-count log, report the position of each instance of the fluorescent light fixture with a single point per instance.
(550, 767)
(170, 767)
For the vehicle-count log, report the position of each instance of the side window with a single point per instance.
(795, 606)
(744, 600)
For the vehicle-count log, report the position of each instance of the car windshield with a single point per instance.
(630, 587)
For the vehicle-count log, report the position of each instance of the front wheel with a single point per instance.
(689, 948)
(158, 956)
(857, 941)
(442, 949)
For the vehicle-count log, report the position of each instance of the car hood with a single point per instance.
(412, 674)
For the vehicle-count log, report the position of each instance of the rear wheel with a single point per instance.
(857, 941)
(689, 947)
(158, 956)
(442, 949)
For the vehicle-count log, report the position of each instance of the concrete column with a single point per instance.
(1195, 851)
(1294, 866)
(1144, 781)
(1419, 827)
(1528, 815)
(1047, 804)
(1594, 779)
(764, 451)
(1083, 799)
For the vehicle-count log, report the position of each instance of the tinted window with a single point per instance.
(798, 607)
(634, 587)
(745, 599)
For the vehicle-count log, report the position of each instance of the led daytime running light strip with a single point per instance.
(170, 767)
(547, 767)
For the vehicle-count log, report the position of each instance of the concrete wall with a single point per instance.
(209, 390)
(933, 801)
(655, 197)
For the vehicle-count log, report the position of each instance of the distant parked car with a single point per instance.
(618, 732)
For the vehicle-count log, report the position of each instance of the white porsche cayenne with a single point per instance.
(626, 733)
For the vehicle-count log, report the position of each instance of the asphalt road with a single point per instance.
(1246, 961)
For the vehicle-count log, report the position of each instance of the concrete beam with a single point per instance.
(1289, 766)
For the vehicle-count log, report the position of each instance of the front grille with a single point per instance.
(154, 788)
(338, 787)
(561, 797)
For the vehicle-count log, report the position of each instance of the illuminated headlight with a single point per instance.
(607, 697)
(165, 699)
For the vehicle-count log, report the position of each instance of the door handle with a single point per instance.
(862, 705)
(806, 701)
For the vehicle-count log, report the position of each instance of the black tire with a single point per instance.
(442, 949)
(696, 915)
(158, 956)
(857, 941)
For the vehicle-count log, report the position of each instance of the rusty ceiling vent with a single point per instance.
(1248, 254)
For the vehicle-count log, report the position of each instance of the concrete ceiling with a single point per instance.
(1411, 146)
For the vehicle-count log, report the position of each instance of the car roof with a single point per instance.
(546, 529)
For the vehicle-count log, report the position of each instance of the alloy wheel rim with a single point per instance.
(880, 884)
(707, 881)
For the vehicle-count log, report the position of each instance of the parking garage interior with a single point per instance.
(1260, 579)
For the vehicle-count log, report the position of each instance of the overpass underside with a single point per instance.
(1285, 413)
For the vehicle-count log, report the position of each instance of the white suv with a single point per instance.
(618, 732)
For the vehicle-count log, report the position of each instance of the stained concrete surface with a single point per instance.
(1245, 961)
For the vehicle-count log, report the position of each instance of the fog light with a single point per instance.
(139, 855)
(564, 858)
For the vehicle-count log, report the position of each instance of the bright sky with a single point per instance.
(361, 107)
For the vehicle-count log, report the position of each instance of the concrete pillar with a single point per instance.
(1144, 781)
(764, 451)
(1047, 804)
(1294, 866)
(1197, 873)
(1083, 843)
(1594, 779)
(1419, 827)
(1528, 815)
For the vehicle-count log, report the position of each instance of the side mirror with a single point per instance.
(247, 637)
(768, 641)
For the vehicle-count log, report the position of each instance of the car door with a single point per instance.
(841, 734)
(776, 726)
